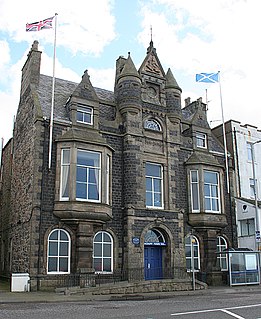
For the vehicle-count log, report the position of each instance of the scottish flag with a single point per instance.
(207, 77)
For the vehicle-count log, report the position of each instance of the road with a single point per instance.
(227, 306)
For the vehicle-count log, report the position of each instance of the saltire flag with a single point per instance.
(207, 77)
(41, 25)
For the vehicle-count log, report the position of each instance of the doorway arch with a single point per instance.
(154, 246)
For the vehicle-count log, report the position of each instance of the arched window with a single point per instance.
(152, 124)
(192, 253)
(59, 246)
(154, 237)
(103, 252)
(222, 258)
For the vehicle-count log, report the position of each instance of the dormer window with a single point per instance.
(152, 125)
(84, 114)
(201, 140)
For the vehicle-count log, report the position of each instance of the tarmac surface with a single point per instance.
(52, 297)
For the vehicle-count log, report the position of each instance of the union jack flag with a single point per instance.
(41, 25)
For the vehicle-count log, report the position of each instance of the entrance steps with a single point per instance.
(125, 288)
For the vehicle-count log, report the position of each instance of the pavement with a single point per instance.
(47, 297)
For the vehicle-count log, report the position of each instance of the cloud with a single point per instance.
(210, 36)
(82, 27)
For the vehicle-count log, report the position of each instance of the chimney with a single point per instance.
(31, 68)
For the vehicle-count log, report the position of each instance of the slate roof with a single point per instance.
(63, 90)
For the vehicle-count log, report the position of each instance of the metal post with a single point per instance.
(255, 193)
(193, 263)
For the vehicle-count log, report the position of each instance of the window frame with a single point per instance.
(153, 180)
(211, 196)
(246, 224)
(84, 110)
(63, 165)
(152, 125)
(58, 256)
(222, 257)
(201, 140)
(102, 257)
(201, 189)
(192, 191)
(88, 169)
(105, 176)
(196, 256)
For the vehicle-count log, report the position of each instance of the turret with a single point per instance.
(127, 86)
(173, 96)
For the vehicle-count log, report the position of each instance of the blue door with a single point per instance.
(153, 262)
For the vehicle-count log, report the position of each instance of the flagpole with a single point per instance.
(52, 106)
(224, 131)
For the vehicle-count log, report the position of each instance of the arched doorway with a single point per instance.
(154, 243)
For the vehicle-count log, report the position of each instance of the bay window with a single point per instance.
(205, 191)
(85, 174)
(88, 175)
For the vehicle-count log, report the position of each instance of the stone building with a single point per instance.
(135, 184)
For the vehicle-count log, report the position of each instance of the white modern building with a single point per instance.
(244, 145)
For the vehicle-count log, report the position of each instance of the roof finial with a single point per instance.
(151, 33)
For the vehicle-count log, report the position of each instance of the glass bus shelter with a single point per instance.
(243, 267)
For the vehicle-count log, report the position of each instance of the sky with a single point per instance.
(190, 37)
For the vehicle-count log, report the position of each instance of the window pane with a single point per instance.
(65, 181)
(87, 118)
(53, 248)
(63, 235)
(153, 170)
(93, 192)
(207, 204)
(66, 157)
(215, 205)
(244, 228)
(148, 184)
(107, 264)
(188, 251)
(157, 200)
(81, 174)
(97, 264)
(98, 237)
(93, 175)
(81, 190)
(194, 176)
(251, 227)
(210, 177)
(149, 199)
(106, 238)
(79, 116)
(64, 249)
(54, 235)
(206, 190)
(63, 264)
(52, 263)
(97, 250)
(188, 263)
(157, 185)
(214, 191)
(106, 250)
(195, 199)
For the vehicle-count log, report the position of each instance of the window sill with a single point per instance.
(82, 210)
